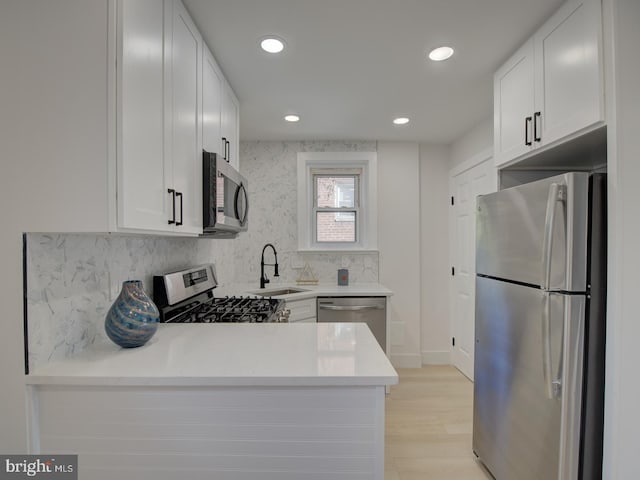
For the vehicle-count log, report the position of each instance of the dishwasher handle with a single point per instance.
(349, 308)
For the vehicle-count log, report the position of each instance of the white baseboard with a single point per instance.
(406, 360)
(436, 358)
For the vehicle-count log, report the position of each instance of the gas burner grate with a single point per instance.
(229, 310)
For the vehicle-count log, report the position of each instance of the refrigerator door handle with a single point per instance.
(553, 386)
(546, 344)
(557, 193)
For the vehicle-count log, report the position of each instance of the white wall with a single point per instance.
(53, 98)
(476, 140)
(434, 248)
(399, 245)
(622, 394)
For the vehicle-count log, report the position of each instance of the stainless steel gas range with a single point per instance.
(186, 296)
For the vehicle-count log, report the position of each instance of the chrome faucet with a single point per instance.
(263, 278)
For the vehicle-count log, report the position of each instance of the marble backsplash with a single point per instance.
(271, 170)
(72, 280)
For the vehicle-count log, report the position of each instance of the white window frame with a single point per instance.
(367, 228)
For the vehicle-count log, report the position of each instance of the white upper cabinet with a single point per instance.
(184, 100)
(139, 91)
(220, 113)
(172, 102)
(158, 160)
(513, 105)
(230, 126)
(143, 169)
(212, 85)
(552, 88)
(569, 70)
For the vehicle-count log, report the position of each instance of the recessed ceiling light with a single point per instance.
(440, 53)
(401, 120)
(272, 44)
(292, 118)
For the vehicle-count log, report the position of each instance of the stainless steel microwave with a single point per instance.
(224, 193)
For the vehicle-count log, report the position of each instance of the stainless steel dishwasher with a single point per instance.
(369, 310)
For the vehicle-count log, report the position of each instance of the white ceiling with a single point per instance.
(351, 66)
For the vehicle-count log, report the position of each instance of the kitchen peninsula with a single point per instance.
(236, 401)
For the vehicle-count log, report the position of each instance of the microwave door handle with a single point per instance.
(246, 205)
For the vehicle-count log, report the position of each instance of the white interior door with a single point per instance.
(466, 186)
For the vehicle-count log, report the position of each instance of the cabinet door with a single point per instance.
(568, 70)
(230, 125)
(212, 84)
(513, 106)
(302, 310)
(142, 166)
(186, 142)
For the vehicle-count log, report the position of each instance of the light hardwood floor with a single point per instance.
(428, 427)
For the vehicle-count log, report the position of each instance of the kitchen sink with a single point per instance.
(277, 292)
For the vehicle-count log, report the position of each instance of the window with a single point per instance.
(336, 205)
(336, 201)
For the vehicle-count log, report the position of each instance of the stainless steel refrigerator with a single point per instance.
(540, 329)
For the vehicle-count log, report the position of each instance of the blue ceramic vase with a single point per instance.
(133, 318)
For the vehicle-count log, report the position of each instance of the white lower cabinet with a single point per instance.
(302, 310)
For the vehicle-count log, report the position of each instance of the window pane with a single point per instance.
(336, 226)
(335, 192)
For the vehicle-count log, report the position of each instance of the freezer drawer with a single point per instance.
(369, 310)
(513, 224)
(528, 381)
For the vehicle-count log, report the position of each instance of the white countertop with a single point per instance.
(273, 354)
(310, 291)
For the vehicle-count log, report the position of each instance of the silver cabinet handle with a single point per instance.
(557, 193)
(350, 308)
